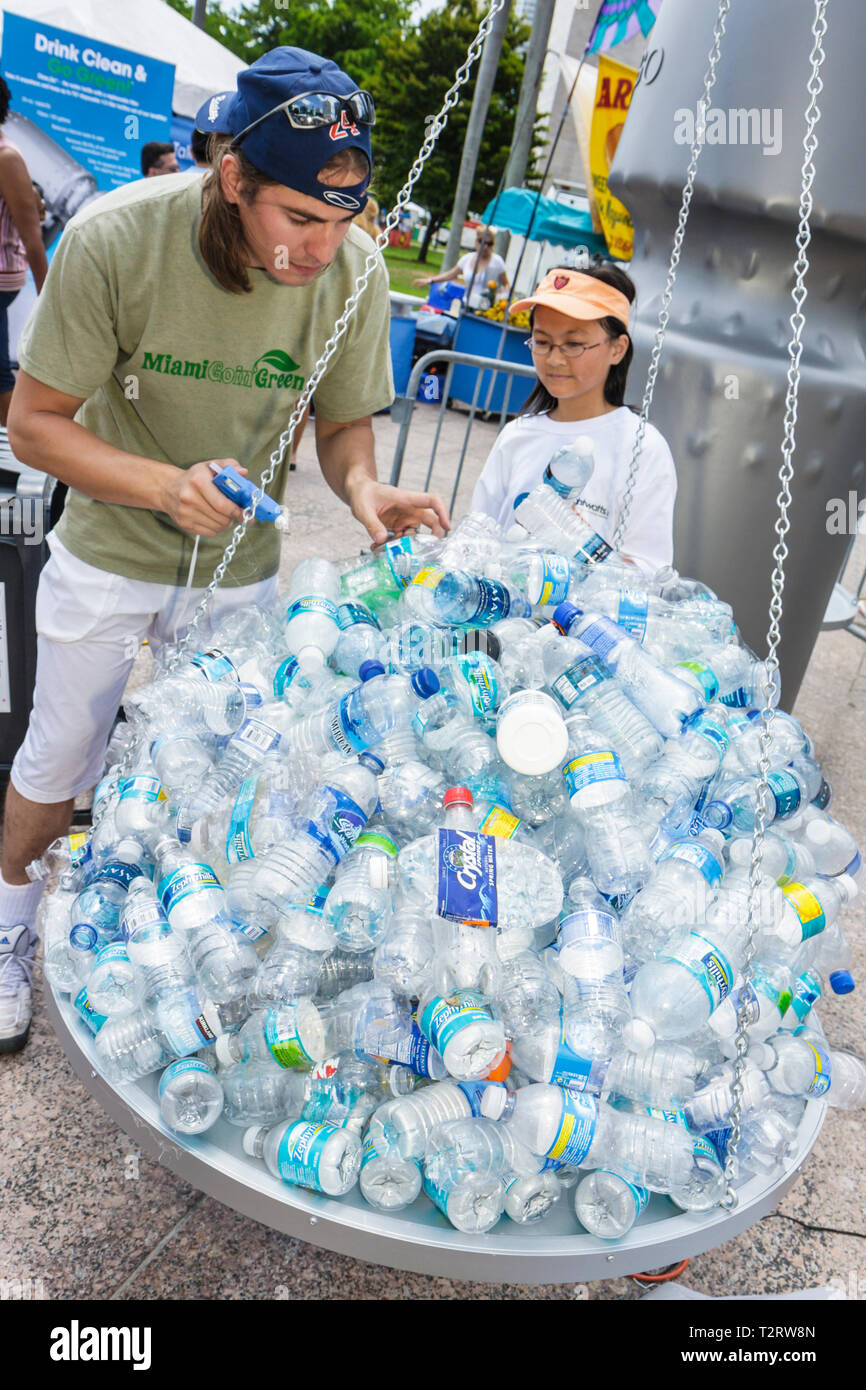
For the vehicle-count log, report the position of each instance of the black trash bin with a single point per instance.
(30, 503)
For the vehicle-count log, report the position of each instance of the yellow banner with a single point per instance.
(612, 99)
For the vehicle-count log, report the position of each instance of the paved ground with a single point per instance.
(88, 1216)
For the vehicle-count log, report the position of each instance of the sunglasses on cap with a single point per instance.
(311, 110)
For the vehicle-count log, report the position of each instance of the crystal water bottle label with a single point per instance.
(707, 678)
(601, 766)
(213, 665)
(443, 1019)
(479, 674)
(144, 788)
(687, 852)
(284, 675)
(807, 992)
(821, 1079)
(587, 924)
(190, 878)
(393, 551)
(578, 680)
(786, 793)
(711, 732)
(500, 822)
(350, 614)
(576, 1073)
(116, 950)
(238, 843)
(576, 1129)
(312, 603)
(283, 1038)
(632, 611)
(300, 1153)
(474, 1093)
(706, 964)
(807, 908)
(85, 1009)
(118, 873)
(187, 1064)
(593, 549)
(602, 636)
(555, 579)
(467, 878)
(375, 839)
(256, 737)
(346, 726)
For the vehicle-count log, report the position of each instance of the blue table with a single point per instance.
(483, 337)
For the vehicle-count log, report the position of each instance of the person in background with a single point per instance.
(581, 351)
(368, 220)
(20, 242)
(198, 149)
(476, 269)
(158, 158)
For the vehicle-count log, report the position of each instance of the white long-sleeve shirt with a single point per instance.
(525, 446)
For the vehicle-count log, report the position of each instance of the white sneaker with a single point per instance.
(17, 948)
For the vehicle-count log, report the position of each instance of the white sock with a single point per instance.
(18, 902)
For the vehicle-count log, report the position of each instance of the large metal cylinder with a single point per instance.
(719, 399)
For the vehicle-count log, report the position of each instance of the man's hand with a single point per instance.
(382, 508)
(195, 503)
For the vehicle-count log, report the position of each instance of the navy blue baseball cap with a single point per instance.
(287, 144)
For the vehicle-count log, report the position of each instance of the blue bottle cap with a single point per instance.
(368, 669)
(425, 682)
(565, 614)
(841, 981)
(370, 760)
(521, 497)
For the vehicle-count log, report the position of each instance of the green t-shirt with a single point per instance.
(175, 368)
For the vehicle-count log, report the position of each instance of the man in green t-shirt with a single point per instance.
(178, 325)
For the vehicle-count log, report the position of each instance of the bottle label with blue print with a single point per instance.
(603, 765)
(704, 675)
(238, 843)
(254, 736)
(702, 859)
(555, 580)
(444, 1018)
(578, 681)
(822, 1075)
(141, 788)
(187, 1064)
(576, 1129)
(467, 877)
(706, 964)
(351, 614)
(712, 732)
(479, 674)
(118, 873)
(807, 907)
(85, 1010)
(300, 1151)
(632, 612)
(347, 725)
(190, 878)
(602, 636)
(576, 1073)
(786, 793)
(214, 666)
(312, 603)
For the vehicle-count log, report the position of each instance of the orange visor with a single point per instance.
(579, 296)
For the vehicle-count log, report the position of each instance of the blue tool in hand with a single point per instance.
(241, 490)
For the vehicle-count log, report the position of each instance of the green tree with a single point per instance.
(417, 70)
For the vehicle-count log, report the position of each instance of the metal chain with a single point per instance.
(676, 250)
(780, 554)
(434, 130)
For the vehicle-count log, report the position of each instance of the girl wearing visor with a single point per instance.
(581, 351)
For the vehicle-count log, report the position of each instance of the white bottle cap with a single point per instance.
(531, 736)
(223, 1050)
(638, 1036)
(493, 1102)
(310, 658)
(818, 831)
(379, 871)
(763, 1055)
(250, 1137)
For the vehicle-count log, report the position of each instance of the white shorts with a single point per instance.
(90, 625)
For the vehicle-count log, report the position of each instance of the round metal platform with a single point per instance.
(418, 1238)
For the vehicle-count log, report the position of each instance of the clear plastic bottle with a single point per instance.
(363, 716)
(287, 972)
(686, 878)
(709, 1108)
(189, 891)
(412, 644)
(617, 845)
(463, 1031)
(358, 912)
(311, 626)
(112, 987)
(404, 957)
(292, 1035)
(455, 598)
(580, 682)
(408, 1121)
(687, 763)
(552, 523)
(388, 1181)
(203, 697)
(673, 994)
(322, 1157)
(342, 969)
(131, 1046)
(608, 1205)
(181, 761)
(248, 751)
(262, 1093)
(464, 1168)
(360, 638)
(587, 935)
(190, 1096)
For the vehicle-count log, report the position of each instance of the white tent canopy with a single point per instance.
(202, 65)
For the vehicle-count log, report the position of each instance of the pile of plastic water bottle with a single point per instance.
(436, 877)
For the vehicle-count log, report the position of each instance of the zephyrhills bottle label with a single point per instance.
(238, 842)
(312, 603)
(284, 675)
(706, 678)
(438, 1195)
(187, 1064)
(393, 551)
(467, 878)
(85, 1009)
(640, 1194)
(632, 611)
(578, 680)
(822, 1075)
(555, 579)
(213, 665)
(706, 964)
(283, 1039)
(116, 950)
(576, 1073)
(143, 788)
(190, 878)
(786, 793)
(576, 1129)
(711, 731)
(443, 1019)
(300, 1153)
(688, 852)
(603, 765)
(480, 676)
(807, 908)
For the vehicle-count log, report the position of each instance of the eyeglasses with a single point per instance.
(479, 244)
(311, 110)
(567, 349)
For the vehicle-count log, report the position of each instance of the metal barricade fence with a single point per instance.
(404, 406)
